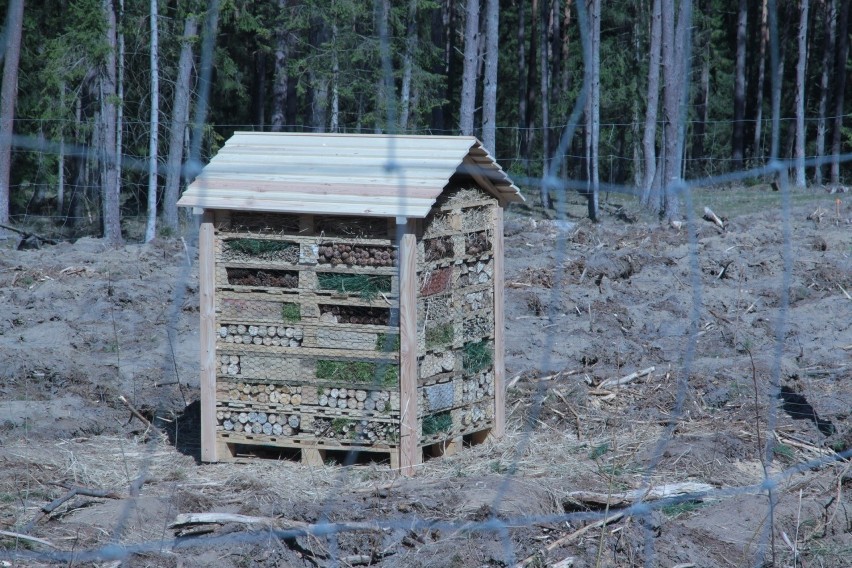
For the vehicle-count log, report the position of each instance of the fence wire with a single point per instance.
(561, 187)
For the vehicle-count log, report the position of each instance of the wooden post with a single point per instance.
(409, 433)
(206, 289)
(499, 347)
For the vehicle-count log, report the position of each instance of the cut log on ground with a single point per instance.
(187, 519)
(649, 494)
(27, 538)
(710, 216)
(609, 383)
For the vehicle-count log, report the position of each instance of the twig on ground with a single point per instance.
(573, 536)
(72, 492)
(26, 537)
(138, 414)
(626, 379)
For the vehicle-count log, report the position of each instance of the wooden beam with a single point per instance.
(409, 449)
(206, 292)
(499, 321)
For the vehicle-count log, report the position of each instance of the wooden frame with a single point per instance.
(207, 332)
(499, 322)
(410, 454)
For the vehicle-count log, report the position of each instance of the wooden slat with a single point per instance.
(410, 455)
(207, 308)
(285, 203)
(273, 191)
(499, 321)
(299, 442)
(356, 187)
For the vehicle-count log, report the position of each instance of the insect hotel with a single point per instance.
(351, 295)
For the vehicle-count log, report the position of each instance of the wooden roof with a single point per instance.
(342, 174)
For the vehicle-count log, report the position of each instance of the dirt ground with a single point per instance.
(82, 325)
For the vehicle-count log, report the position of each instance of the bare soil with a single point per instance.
(746, 357)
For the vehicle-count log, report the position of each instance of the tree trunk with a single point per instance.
(450, 63)
(594, 115)
(702, 101)
(545, 57)
(319, 81)
(738, 135)
(839, 89)
(211, 26)
(522, 86)
(800, 93)
(532, 79)
(258, 90)
(675, 60)
(565, 69)
(177, 128)
(829, 22)
(153, 140)
(761, 77)
(335, 83)
(650, 198)
(438, 35)
(408, 65)
(468, 94)
(489, 94)
(8, 98)
(60, 170)
(281, 54)
(119, 111)
(110, 183)
(776, 65)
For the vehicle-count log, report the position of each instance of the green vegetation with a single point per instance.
(439, 335)
(338, 425)
(367, 285)
(476, 357)
(678, 509)
(784, 451)
(381, 373)
(387, 343)
(598, 451)
(290, 312)
(435, 423)
(258, 247)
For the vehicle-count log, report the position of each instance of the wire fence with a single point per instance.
(641, 507)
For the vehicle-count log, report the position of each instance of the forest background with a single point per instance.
(110, 106)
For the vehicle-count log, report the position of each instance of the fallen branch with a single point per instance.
(72, 492)
(710, 216)
(27, 235)
(648, 494)
(141, 417)
(568, 538)
(26, 537)
(625, 379)
(186, 519)
(803, 445)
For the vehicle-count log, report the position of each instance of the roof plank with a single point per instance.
(346, 174)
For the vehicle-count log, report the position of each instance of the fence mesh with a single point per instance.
(629, 449)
